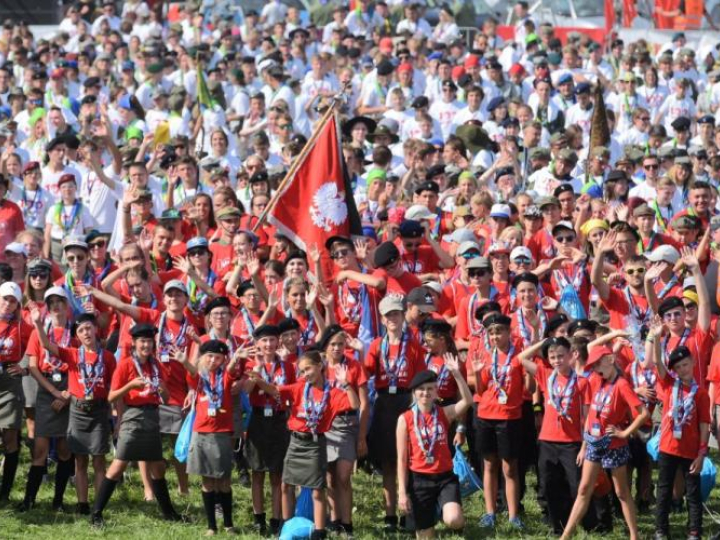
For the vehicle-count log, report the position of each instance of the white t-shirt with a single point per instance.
(71, 220)
(34, 204)
(50, 179)
(100, 200)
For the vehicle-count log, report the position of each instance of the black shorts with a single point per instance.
(427, 492)
(500, 437)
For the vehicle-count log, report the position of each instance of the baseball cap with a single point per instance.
(664, 253)
(175, 284)
(467, 246)
(421, 298)
(418, 212)
(10, 288)
(17, 248)
(389, 304)
(500, 211)
(520, 251)
(55, 291)
(597, 354)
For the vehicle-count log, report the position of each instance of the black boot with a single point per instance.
(226, 503)
(34, 480)
(208, 498)
(275, 526)
(63, 472)
(103, 497)
(260, 525)
(8, 474)
(318, 534)
(162, 495)
(391, 524)
(347, 528)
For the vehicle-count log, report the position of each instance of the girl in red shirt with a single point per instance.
(89, 373)
(14, 336)
(138, 382)
(314, 404)
(425, 467)
(211, 449)
(52, 399)
(303, 308)
(605, 441)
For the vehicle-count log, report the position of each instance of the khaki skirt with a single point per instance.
(211, 455)
(49, 423)
(139, 438)
(11, 400)
(89, 427)
(306, 461)
(342, 438)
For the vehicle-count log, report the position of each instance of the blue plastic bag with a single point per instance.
(304, 504)
(297, 528)
(182, 443)
(571, 304)
(653, 446)
(469, 481)
(707, 478)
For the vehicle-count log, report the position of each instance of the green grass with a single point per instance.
(129, 517)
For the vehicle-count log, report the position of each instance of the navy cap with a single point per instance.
(143, 331)
(582, 88)
(428, 185)
(411, 229)
(678, 354)
(706, 119)
(495, 103)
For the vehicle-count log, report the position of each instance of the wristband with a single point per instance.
(538, 408)
(460, 428)
(703, 450)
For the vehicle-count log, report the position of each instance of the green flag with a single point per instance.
(203, 94)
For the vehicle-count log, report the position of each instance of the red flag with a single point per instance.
(317, 201)
(609, 15)
(629, 12)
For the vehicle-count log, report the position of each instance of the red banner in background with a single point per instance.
(596, 34)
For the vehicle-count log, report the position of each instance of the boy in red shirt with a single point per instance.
(684, 432)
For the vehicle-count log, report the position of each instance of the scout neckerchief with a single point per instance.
(474, 325)
(561, 400)
(350, 303)
(76, 303)
(500, 374)
(249, 325)
(681, 408)
(90, 375)
(314, 410)
(442, 372)
(426, 434)
(650, 245)
(53, 361)
(642, 378)
(666, 342)
(634, 310)
(167, 338)
(575, 280)
(212, 384)
(152, 382)
(230, 341)
(393, 369)
(198, 297)
(272, 377)
(662, 222)
(153, 301)
(524, 327)
(67, 222)
(674, 280)
(306, 334)
(604, 395)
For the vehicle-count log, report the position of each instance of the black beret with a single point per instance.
(411, 229)
(432, 172)
(436, 326)
(385, 255)
(504, 171)
(681, 123)
(553, 342)
(53, 143)
(424, 377)
(288, 324)
(678, 354)
(670, 303)
(143, 331)
(91, 81)
(260, 176)
(329, 333)
(244, 287)
(496, 318)
(427, 186)
(214, 346)
(296, 255)
(616, 175)
(487, 307)
(525, 276)
(339, 239)
(385, 67)
(218, 301)
(85, 317)
(581, 324)
(266, 330)
(555, 322)
(562, 188)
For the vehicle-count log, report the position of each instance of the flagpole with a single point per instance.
(297, 162)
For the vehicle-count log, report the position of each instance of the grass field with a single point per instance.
(129, 517)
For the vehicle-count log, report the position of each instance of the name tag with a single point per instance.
(56, 377)
(392, 389)
(595, 430)
(212, 412)
(165, 358)
(89, 396)
(268, 411)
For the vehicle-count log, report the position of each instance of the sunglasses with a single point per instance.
(196, 253)
(74, 258)
(522, 260)
(42, 274)
(98, 245)
(651, 167)
(632, 271)
(340, 254)
(470, 255)
(478, 272)
(690, 305)
(565, 239)
(285, 126)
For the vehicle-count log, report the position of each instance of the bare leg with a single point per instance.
(99, 467)
(81, 478)
(276, 490)
(145, 475)
(622, 490)
(390, 488)
(490, 482)
(257, 488)
(318, 496)
(512, 487)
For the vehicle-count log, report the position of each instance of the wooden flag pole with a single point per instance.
(299, 159)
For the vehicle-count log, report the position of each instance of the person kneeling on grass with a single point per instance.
(605, 441)
(211, 448)
(425, 467)
(684, 431)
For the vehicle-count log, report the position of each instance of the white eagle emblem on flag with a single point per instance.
(328, 209)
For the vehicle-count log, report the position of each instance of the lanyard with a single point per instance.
(500, 373)
(393, 369)
(166, 338)
(29, 207)
(54, 361)
(442, 372)
(561, 400)
(214, 392)
(668, 287)
(523, 326)
(426, 434)
(91, 375)
(475, 325)
(152, 383)
(642, 378)
(65, 222)
(314, 410)
(683, 339)
(198, 297)
(349, 302)
(634, 310)
(682, 408)
(271, 378)
(602, 397)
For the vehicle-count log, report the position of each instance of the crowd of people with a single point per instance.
(532, 283)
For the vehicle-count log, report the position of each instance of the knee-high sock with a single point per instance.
(208, 498)
(34, 480)
(62, 475)
(8, 474)
(226, 503)
(103, 497)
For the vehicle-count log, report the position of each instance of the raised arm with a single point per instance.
(457, 410)
(36, 317)
(650, 276)
(607, 244)
(133, 312)
(526, 357)
(691, 262)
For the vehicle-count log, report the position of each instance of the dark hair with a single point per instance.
(6, 272)
(313, 356)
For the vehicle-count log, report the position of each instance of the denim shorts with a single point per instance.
(610, 458)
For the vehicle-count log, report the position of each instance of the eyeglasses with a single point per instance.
(478, 272)
(673, 315)
(633, 271)
(285, 126)
(98, 245)
(468, 255)
(522, 260)
(565, 239)
(651, 167)
(75, 258)
(690, 305)
(340, 254)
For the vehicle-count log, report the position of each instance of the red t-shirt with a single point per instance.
(401, 285)
(509, 380)
(222, 422)
(126, 372)
(447, 386)
(349, 306)
(295, 395)
(452, 294)
(356, 376)
(411, 364)
(11, 221)
(62, 336)
(240, 327)
(689, 443)
(278, 373)
(14, 338)
(441, 458)
(126, 322)
(572, 274)
(223, 255)
(619, 308)
(611, 404)
(642, 378)
(423, 261)
(556, 427)
(542, 246)
(100, 389)
(714, 373)
(700, 345)
(467, 325)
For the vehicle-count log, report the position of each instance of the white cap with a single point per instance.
(434, 286)
(665, 253)
(16, 247)
(462, 235)
(10, 288)
(55, 291)
(500, 211)
(520, 251)
(417, 212)
(266, 64)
